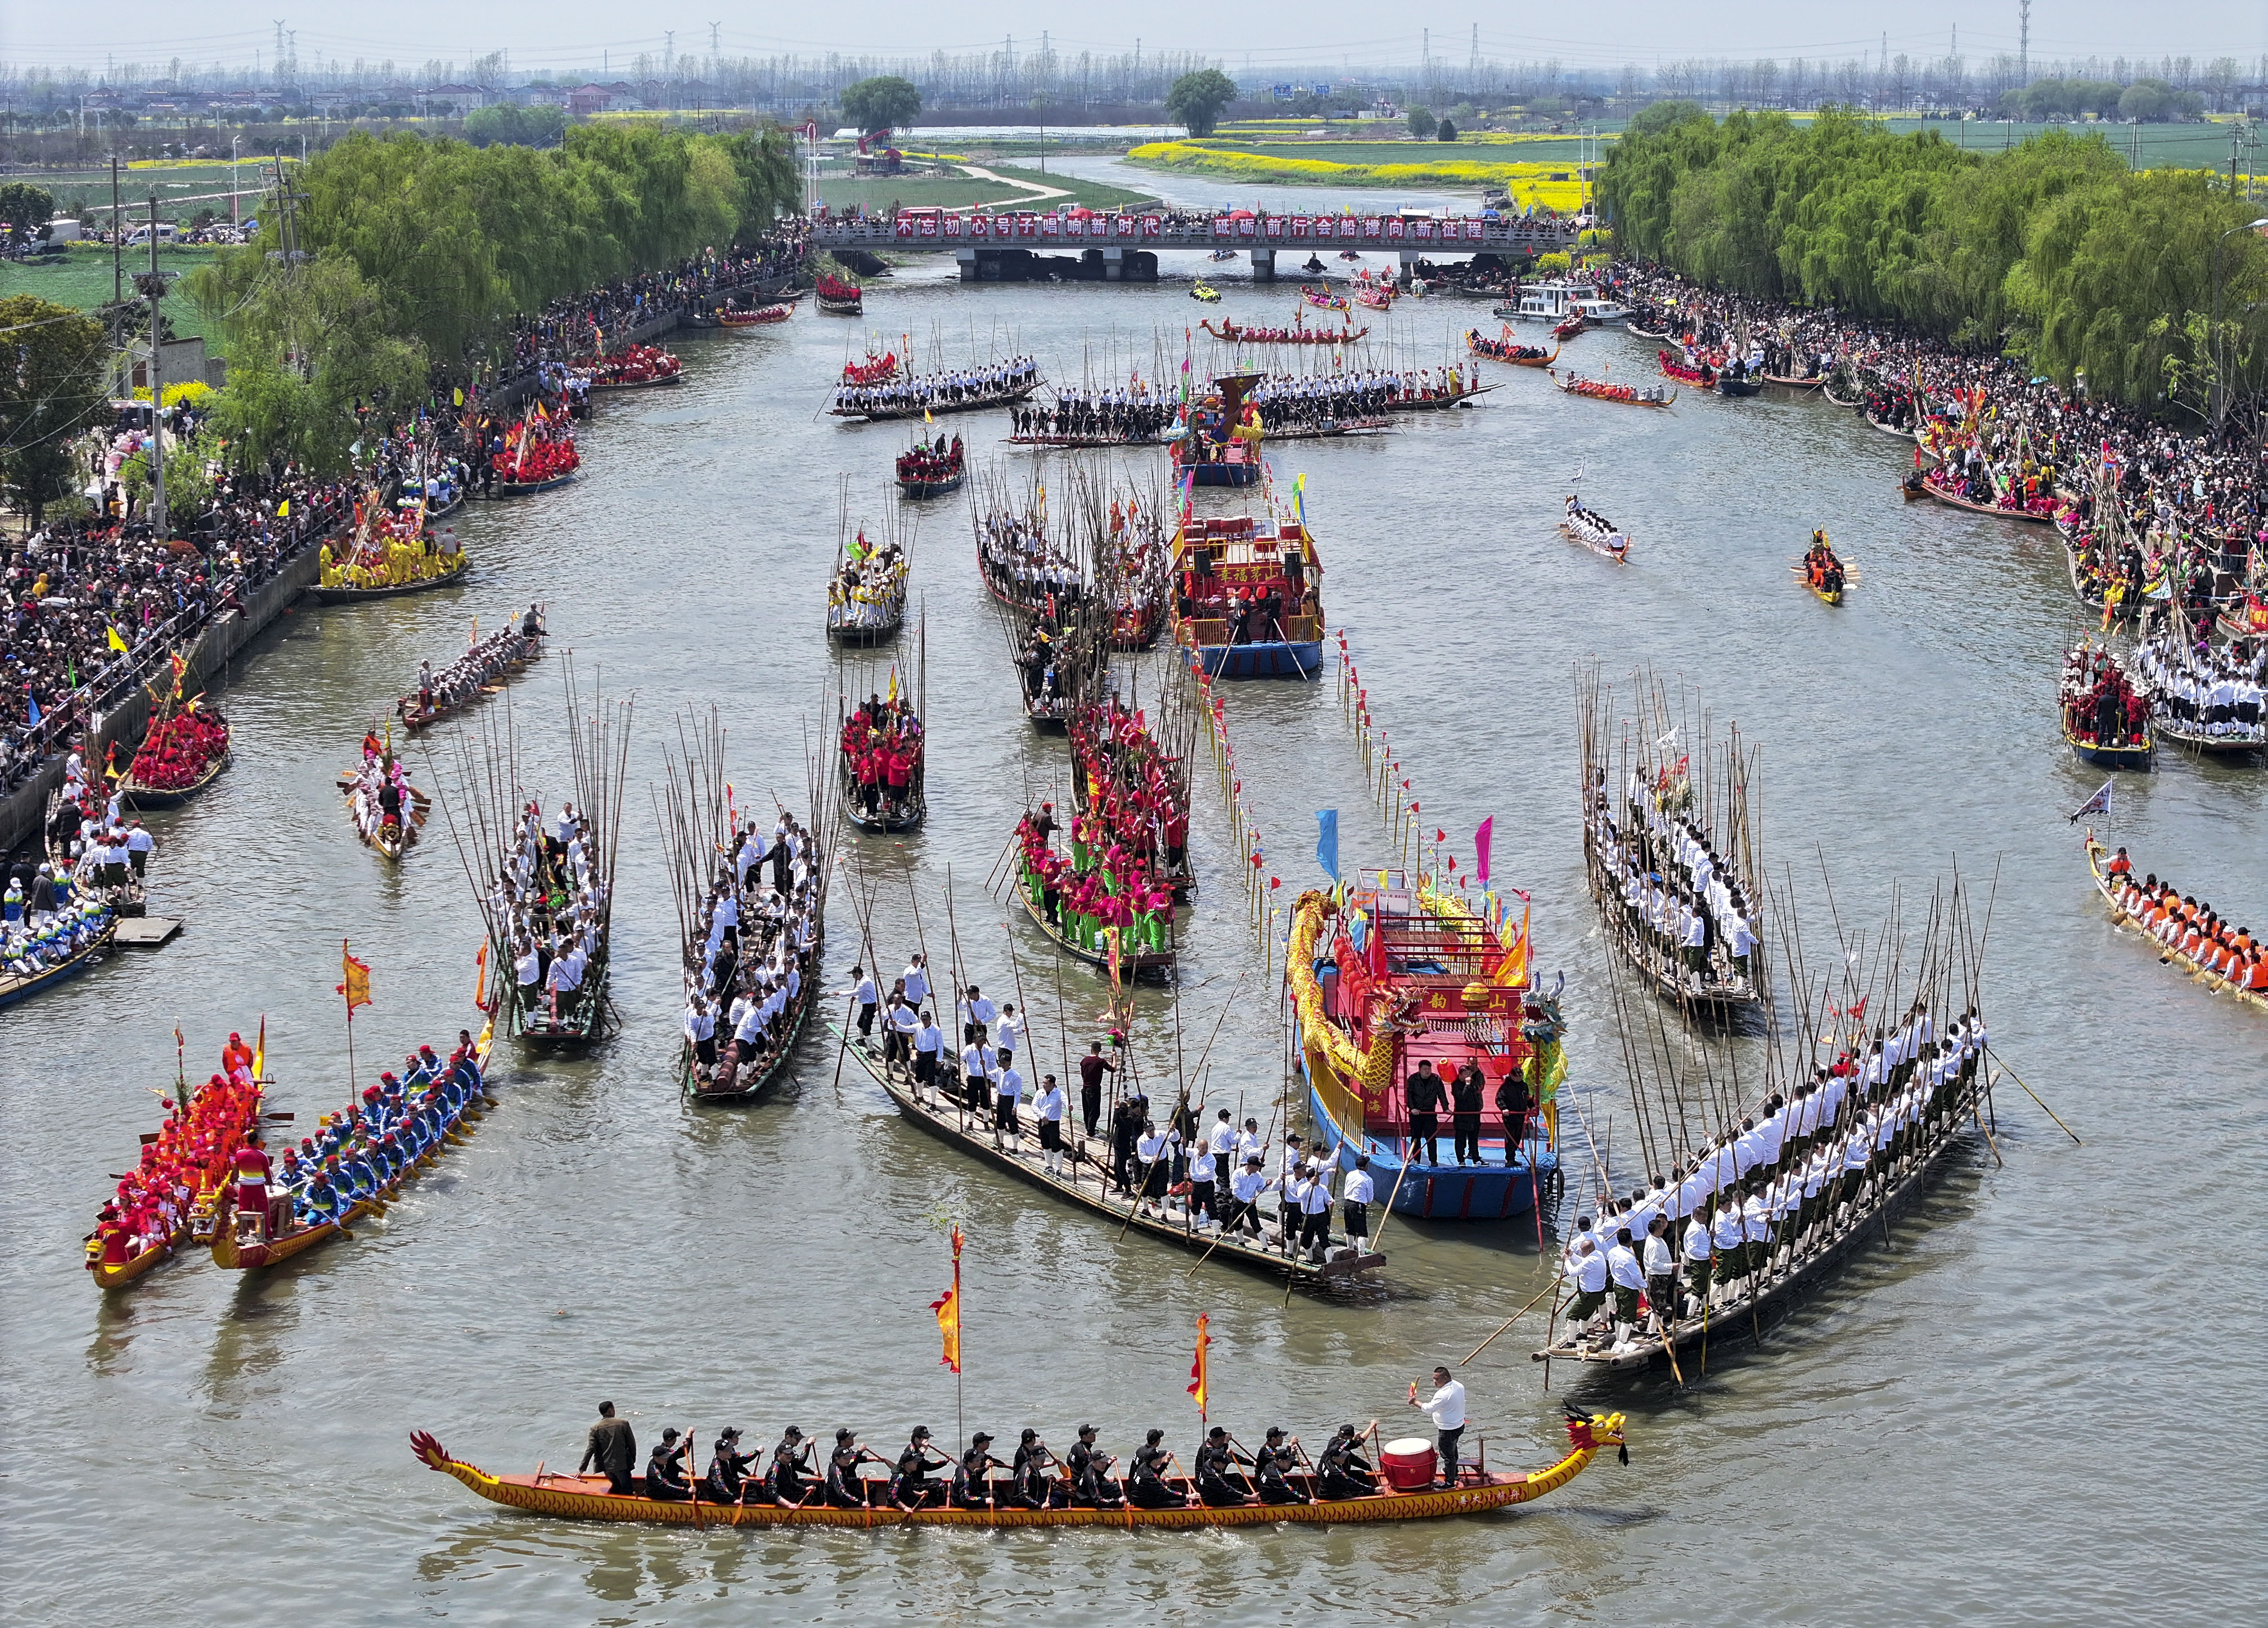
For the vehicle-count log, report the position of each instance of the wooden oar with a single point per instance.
(1509, 1321)
(2035, 1095)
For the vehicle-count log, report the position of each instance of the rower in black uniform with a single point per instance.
(1032, 1487)
(1345, 1472)
(970, 1489)
(844, 1488)
(666, 1480)
(790, 1463)
(1273, 1468)
(728, 1479)
(1092, 1487)
(1145, 1480)
(913, 1488)
(1218, 1484)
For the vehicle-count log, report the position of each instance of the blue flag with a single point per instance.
(32, 709)
(1326, 841)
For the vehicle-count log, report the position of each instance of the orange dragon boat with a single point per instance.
(1232, 333)
(1600, 389)
(1510, 349)
(1478, 1490)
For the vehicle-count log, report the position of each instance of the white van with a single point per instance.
(166, 230)
(58, 232)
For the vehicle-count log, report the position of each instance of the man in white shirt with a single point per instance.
(1315, 1212)
(866, 995)
(1049, 1105)
(1628, 1282)
(978, 1064)
(1004, 1114)
(1661, 1265)
(917, 977)
(1355, 1198)
(1010, 1037)
(929, 1044)
(977, 1012)
(1245, 1188)
(1446, 1407)
(904, 1023)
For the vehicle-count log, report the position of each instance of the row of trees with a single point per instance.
(2053, 250)
(418, 252)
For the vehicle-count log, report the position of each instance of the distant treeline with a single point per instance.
(2053, 251)
(421, 251)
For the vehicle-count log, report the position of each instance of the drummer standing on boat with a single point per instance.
(1447, 1409)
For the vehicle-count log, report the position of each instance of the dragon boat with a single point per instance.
(1231, 332)
(22, 985)
(390, 838)
(1509, 350)
(1324, 300)
(158, 777)
(759, 316)
(1204, 292)
(1938, 490)
(246, 1248)
(110, 1260)
(924, 473)
(1230, 567)
(1478, 1490)
(1600, 389)
(1434, 401)
(1594, 532)
(1399, 976)
(500, 658)
(641, 367)
(1085, 1181)
(838, 298)
(2120, 916)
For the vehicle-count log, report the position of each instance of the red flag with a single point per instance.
(1440, 835)
(1482, 839)
(1198, 1369)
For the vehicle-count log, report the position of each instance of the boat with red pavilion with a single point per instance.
(1395, 984)
(1249, 593)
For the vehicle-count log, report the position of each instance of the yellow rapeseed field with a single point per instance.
(1526, 183)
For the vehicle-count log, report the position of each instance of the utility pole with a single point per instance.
(117, 239)
(155, 288)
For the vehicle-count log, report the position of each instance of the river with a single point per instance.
(1991, 1419)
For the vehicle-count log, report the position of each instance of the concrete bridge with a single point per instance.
(1123, 247)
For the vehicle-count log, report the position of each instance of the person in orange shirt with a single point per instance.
(236, 1058)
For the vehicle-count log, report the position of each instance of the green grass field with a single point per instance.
(81, 280)
(90, 189)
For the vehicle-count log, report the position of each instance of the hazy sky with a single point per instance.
(568, 34)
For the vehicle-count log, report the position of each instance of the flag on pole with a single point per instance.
(949, 1312)
(355, 985)
(2100, 801)
(481, 977)
(31, 709)
(1198, 1370)
(1482, 840)
(117, 642)
(259, 1049)
(1326, 841)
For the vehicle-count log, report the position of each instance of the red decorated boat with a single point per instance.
(874, 370)
(641, 367)
(840, 298)
(184, 752)
(929, 470)
(1509, 350)
(1232, 332)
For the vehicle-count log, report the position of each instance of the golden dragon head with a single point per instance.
(1597, 1431)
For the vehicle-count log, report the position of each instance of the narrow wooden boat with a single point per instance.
(1087, 1185)
(779, 311)
(1478, 1490)
(1888, 430)
(1826, 595)
(137, 796)
(1729, 387)
(523, 488)
(416, 717)
(1205, 292)
(1815, 382)
(1430, 404)
(1596, 533)
(2096, 856)
(1157, 964)
(2131, 757)
(15, 987)
(655, 381)
(1074, 439)
(391, 842)
(751, 1081)
(839, 299)
(1229, 333)
(983, 402)
(1324, 301)
(1633, 330)
(394, 591)
(1740, 1319)
(1628, 394)
(908, 816)
(1955, 502)
(196, 1228)
(1507, 351)
(2203, 745)
(230, 1254)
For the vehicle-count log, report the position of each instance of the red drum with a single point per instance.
(1408, 1464)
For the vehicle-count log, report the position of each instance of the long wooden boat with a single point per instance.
(1075, 439)
(1478, 1490)
(1087, 1183)
(1604, 546)
(394, 591)
(1728, 386)
(2121, 917)
(1826, 596)
(1815, 382)
(1230, 332)
(656, 381)
(581, 1021)
(1953, 501)
(750, 1084)
(1633, 330)
(1505, 351)
(2131, 757)
(197, 1228)
(522, 488)
(2202, 744)
(14, 988)
(838, 298)
(908, 819)
(1745, 1315)
(1433, 404)
(413, 816)
(1132, 963)
(415, 717)
(135, 794)
(759, 317)
(231, 1255)
(1008, 396)
(1571, 386)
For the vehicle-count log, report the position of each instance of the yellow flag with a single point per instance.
(260, 1050)
(355, 985)
(284, 509)
(458, 395)
(117, 643)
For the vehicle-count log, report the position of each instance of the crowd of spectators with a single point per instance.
(92, 603)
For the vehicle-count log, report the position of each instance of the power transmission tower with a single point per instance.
(1473, 63)
(2023, 42)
